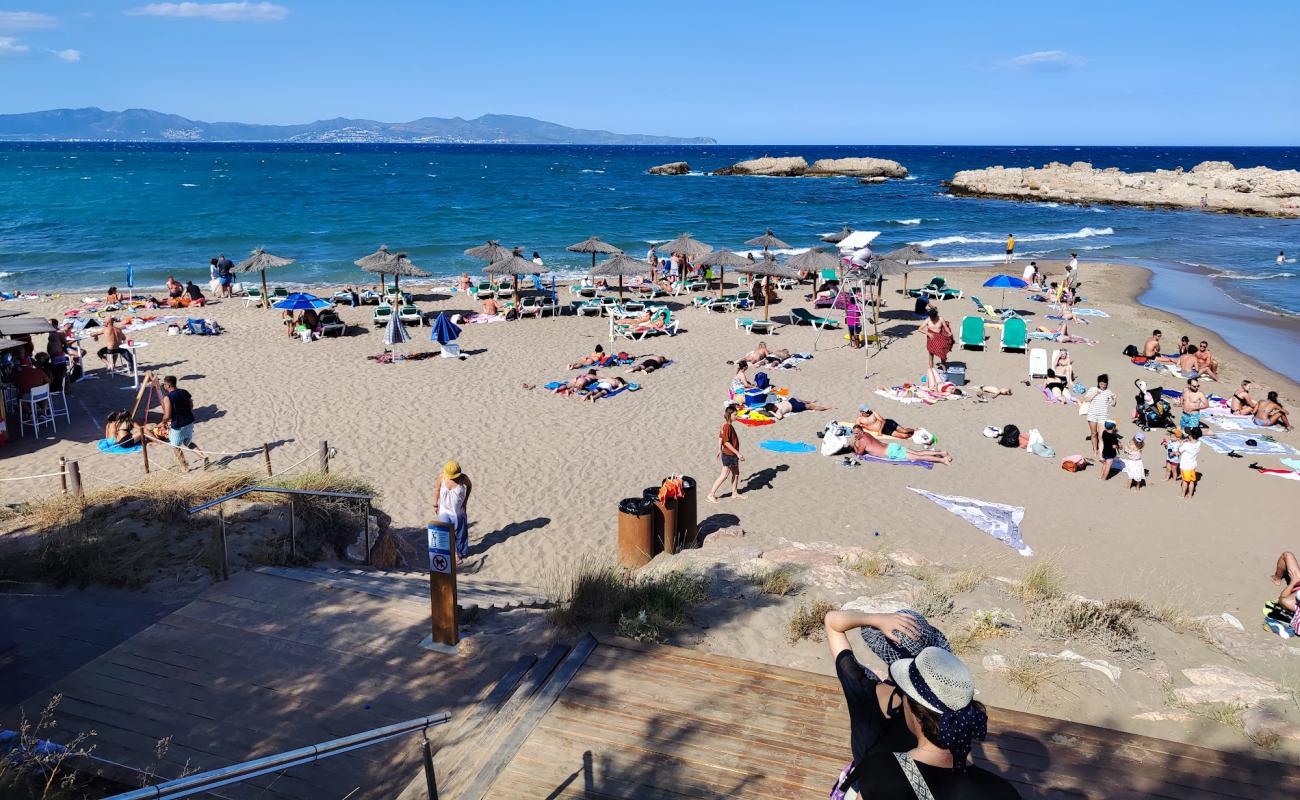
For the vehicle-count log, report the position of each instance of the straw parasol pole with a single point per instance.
(770, 268)
(619, 265)
(403, 266)
(261, 261)
(687, 246)
(593, 245)
(723, 259)
(379, 262)
(899, 262)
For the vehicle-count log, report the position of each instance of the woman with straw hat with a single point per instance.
(451, 499)
(912, 733)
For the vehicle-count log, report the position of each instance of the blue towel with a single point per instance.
(554, 384)
(780, 446)
(107, 446)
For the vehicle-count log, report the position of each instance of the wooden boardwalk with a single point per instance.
(260, 664)
(636, 721)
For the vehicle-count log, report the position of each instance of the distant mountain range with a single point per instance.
(143, 125)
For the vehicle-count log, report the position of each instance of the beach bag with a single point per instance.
(1131, 351)
(1074, 463)
(835, 439)
(1010, 436)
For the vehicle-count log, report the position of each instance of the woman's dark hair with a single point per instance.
(932, 313)
(1272, 396)
(112, 290)
(929, 721)
(599, 349)
(1103, 378)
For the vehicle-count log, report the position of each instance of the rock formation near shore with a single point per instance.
(673, 168)
(1226, 189)
(869, 169)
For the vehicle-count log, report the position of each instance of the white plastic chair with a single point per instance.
(59, 403)
(30, 404)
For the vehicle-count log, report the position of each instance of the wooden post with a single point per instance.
(293, 532)
(63, 468)
(266, 298)
(74, 479)
(442, 584)
(366, 530)
(221, 533)
(266, 456)
(144, 451)
(324, 457)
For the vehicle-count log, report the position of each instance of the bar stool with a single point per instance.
(31, 403)
(59, 401)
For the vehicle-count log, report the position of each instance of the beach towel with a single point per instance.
(1081, 312)
(781, 446)
(907, 463)
(900, 394)
(749, 416)
(1280, 473)
(1002, 522)
(482, 319)
(1227, 442)
(1292, 463)
(107, 446)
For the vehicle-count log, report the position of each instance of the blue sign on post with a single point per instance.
(439, 547)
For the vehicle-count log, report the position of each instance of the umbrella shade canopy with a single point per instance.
(1005, 282)
(395, 333)
(910, 253)
(9, 344)
(260, 261)
(724, 258)
(300, 301)
(619, 266)
(490, 252)
(769, 267)
(379, 258)
(687, 246)
(768, 240)
(130, 276)
(17, 326)
(814, 260)
(4, 314)
(593, 244)
(511, 264)
(838, 236)
(444, 330)
(403, 266)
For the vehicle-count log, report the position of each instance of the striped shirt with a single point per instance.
(1099, 406)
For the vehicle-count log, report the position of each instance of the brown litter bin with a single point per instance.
(688, 528)
(636, 539)
(665, 521)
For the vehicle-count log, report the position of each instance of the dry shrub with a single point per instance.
(780, 581)
(644, 607)
(807, 622)
(1034, 674)
(30, 770)
(933, 600)
(993, 623)
(965, 581)
(872, 566)
(1110, 625)
(1043, 581)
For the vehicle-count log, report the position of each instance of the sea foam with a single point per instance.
(1082, 233)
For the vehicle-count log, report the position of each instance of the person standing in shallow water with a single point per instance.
(1011, 246)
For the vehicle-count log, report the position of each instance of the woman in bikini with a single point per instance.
(597, 357)
(1241, 402)
(1064, 366)
(938, 342)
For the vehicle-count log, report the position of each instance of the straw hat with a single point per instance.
(452, 470)
(939, 674)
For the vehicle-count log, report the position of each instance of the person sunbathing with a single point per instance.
(760, 353)
(644, 319)
(597, 357)
(873, 422)
(112, 298)
(1270, 412)
(123, 431)
(793, 405)
(577, 384)
(1241, 402)
(1064, 365)
(1287, 574)
(605, 387)
(987, 392)
(650, 364)
(865, 444)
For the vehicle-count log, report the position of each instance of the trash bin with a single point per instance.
(956, 374)
(635, 532)
(665, 521)
(688, 528)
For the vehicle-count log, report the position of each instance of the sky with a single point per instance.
(1141, 72)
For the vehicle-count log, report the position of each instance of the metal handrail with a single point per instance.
(251, 489)
(202, 782)
(293, 527)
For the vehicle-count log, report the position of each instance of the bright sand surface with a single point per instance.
(548, 471)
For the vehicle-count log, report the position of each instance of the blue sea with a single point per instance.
(73, 215)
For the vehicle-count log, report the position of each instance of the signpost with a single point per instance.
(442, 588)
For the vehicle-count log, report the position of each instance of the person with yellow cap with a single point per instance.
(451, 499)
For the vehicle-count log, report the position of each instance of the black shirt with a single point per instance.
(881, 778)
(182, 408)
(1109, 443)
(870, 730)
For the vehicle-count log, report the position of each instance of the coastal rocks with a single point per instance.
(868, 170)
(1212, 684)
(1223, 187)
(783, 167)
(673, 168)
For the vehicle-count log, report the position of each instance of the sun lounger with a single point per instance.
(331, 324)
(661, 322)
(410, 314)
(504, 289)
(993, 313)
(252, 296)
(803, 316)
(972, 332)
(369, 298)
(279, 293)
(382, 315)
(591, 308)
(755, 325)
(1014, 334)
(484, 290)
(1038, 363)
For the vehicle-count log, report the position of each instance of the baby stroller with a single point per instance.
(1153, 411)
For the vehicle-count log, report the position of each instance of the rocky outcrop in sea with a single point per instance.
(867, 169)
(1223, 187)
(672, 168)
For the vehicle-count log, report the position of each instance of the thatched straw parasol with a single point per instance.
(767, 240)
(767, 267)
(384, 262)
(403, 266)
(836, 238)
(723, 259)
(687, 246)
(261, 261)
(620, 265)
(593, 245)
(900, 261)
(512, 264)
(490, 252)
(814, 261)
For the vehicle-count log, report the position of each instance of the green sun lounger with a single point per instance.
(803, 316)
(972, 332)
(1015, 334)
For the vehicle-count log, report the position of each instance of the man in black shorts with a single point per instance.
(871, 421)
(729, 454)
(650, 364)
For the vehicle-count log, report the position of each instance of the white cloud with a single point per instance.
(25, 21)
(9, 46)
(67, 55)
(1046, 60)
(220, 12)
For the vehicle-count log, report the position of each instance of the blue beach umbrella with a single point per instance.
(1005, 282)
(130, 276)
(444, 330)
(301, 301)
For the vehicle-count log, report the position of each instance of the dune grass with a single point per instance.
(781, 581)
(806, 622)
(1043, 581)
(985, 624)
(1033, 675)
(871, 566)
(644, 608)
